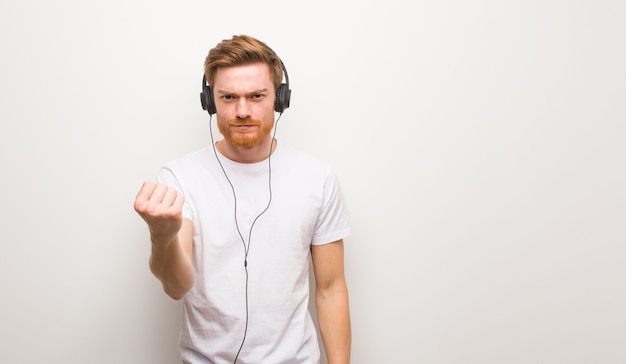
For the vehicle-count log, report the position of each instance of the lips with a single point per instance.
(244, 123)
(244, 126)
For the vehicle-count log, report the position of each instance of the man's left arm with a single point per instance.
(331, 298)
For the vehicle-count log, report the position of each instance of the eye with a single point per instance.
(257, 96)
(228, 98)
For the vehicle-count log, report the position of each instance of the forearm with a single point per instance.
(334, 321)
(170, 264)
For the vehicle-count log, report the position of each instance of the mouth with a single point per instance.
(243, 125)
(244, 128)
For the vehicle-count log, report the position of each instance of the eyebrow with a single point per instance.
(255, 92)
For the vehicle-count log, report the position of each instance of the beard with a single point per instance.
(246, 139)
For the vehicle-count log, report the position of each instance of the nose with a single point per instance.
(243, 108)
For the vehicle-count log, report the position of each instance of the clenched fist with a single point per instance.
(161, 207)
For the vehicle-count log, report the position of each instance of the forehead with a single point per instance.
(255, 76)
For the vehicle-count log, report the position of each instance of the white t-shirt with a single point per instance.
(306, 208)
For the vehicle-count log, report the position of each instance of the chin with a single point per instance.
(244, 142)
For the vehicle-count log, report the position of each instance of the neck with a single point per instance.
(252, 154)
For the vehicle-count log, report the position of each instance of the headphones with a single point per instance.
(283, 95)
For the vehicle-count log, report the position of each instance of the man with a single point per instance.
(236, 247)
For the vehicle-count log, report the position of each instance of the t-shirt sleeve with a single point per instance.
(332, 223)
(166, 176)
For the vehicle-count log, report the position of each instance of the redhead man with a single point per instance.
(236, 225)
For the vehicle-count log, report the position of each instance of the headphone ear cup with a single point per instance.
(283, 98)
(203, 101)
(211, 109)
(206, 98)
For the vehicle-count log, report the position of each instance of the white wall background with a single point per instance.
(480, 146)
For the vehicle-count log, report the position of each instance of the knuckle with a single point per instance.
(139, 205)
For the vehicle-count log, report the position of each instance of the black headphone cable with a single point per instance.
(246, 247)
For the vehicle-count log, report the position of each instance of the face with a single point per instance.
(244, 99)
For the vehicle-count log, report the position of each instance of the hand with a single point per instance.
(161, 207)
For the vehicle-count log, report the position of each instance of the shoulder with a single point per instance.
(304, 169)
(302, 159)
(185, 168)
(190, 161)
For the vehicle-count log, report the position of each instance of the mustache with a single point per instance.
(236, 122)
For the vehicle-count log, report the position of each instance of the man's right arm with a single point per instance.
(171, 236)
